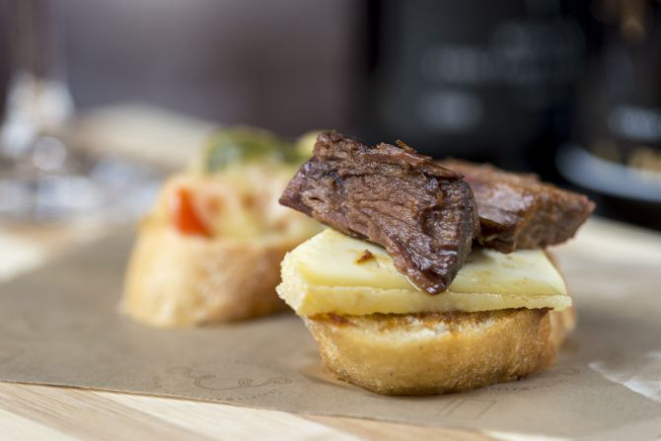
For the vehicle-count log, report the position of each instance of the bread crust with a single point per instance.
(426, 354)
(176, 280)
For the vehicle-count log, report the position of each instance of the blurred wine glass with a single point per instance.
(43, 178)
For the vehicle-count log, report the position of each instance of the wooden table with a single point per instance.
(43, 412)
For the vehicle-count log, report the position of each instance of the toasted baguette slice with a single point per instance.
(178, 279)
(425, 354)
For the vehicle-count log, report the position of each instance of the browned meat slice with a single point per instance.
(518, 211)
(423, 215)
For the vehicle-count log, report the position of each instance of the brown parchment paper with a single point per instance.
(60, 326)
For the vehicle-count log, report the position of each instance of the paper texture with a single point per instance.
(60, 326)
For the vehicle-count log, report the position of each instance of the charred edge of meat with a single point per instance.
(423, 214)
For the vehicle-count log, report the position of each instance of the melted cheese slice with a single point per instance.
(332, 273)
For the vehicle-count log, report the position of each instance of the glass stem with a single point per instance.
(38, 100)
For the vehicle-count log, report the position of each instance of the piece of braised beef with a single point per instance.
(424, 215)
(518, 211)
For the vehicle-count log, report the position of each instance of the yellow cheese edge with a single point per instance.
(307, 298)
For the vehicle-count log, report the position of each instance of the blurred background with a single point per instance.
(100, 99)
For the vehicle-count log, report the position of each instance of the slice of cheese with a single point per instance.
(333, 273)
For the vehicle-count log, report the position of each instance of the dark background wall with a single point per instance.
(282, 65)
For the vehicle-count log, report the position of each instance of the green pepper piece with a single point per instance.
(243, 144)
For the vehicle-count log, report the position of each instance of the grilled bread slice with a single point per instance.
(435, 353)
